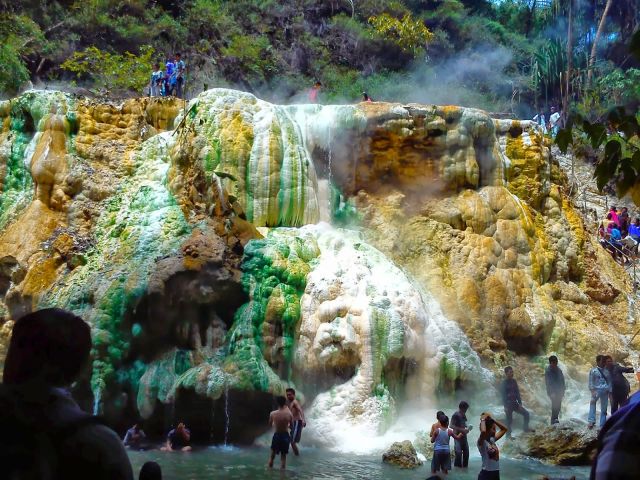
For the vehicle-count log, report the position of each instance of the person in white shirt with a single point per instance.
(554, 121)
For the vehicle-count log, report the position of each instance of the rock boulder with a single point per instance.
(566, 443)
(402, 454)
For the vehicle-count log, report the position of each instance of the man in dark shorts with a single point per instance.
(280, 420)
(459, 425)
(298, 422)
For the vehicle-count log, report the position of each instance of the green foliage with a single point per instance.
(111, 70)
(619, 136)
(253, 56)
(409, 34)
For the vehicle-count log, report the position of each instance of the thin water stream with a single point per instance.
(250, 463)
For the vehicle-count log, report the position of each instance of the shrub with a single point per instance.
(112, 70)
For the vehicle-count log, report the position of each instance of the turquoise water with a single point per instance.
(250, 463)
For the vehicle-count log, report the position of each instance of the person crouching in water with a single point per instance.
(487, 447)
(280, 420)
(178, 439)
(298, 419)
(441, 452)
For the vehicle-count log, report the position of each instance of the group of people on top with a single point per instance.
(618, 234)
(170, 81)
(552, 125)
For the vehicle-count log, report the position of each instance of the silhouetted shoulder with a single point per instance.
(96, 452)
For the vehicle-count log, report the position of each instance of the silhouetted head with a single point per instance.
(508, 371)
(150, 471)
(625, 209)
(51, 346)
(599, 360)
(317, 85)
(156, 66)
(439, 415)
(281, 401)
(178, 56)
(365, 96)
(553, 361)
(291, 394)
(463, 406)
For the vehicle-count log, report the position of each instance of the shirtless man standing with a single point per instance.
(280, 420)
(298, 419)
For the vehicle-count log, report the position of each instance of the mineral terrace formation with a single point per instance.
(366, 254)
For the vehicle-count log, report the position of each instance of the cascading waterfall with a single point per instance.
(227, 416)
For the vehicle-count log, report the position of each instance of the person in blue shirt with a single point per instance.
(615, 240)
(634, 230)
(169, 78)
(134, 437)
(180, 75)
(600, 387)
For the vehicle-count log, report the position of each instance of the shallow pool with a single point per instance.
(250, 463)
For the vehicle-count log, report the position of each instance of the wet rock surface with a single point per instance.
(569, 442)
(402, 454)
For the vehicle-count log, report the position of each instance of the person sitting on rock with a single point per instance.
(554, 381)
(620, 386)
(440, 439)
(178, 438)
(600, 388)
(512, 401)
(618, 456)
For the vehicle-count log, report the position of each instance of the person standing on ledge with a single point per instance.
(280, 420)
(461, 445)
(620, 386)
(512, 401)
(313, 93)
(600, 387)
(298, 422)
(46, 434)
(554, 380)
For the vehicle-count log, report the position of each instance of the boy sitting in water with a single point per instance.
(441, 452)
(280, 420)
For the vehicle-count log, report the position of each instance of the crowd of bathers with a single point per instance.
(618, 234)
(170, 81)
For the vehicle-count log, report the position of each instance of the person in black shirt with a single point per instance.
(512, 401)
(554, 380)
(459, 425)
(620, 387)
